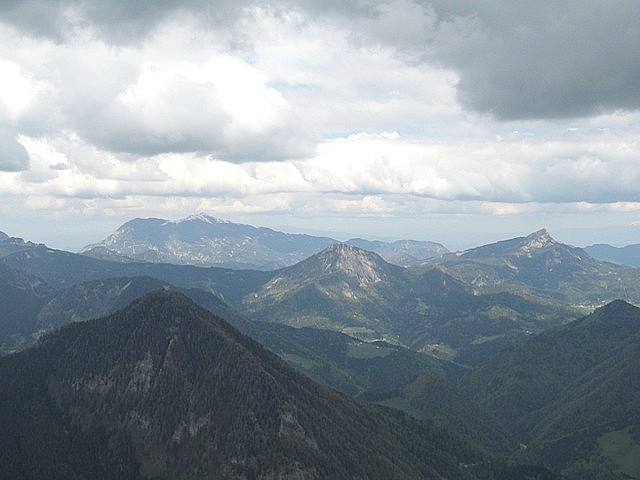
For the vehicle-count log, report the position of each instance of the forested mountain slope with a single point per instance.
(164, 389)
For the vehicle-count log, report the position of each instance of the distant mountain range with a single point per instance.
(629, 255)
(164, 389)
(541, 266)
(208, 241)
(431, 308)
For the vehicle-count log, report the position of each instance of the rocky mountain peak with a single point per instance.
(3, 236)
(538, 240)
(367, 267)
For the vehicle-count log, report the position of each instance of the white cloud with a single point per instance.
(18, 90)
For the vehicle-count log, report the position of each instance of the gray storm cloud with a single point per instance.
(117, 21)
(13, 155)
(535, 60)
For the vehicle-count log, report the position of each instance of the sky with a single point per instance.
(456, 121)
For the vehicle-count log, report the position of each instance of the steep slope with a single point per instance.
(629, 255)
(539, 265)
(564, 390)
(164, 389)
(21, 297)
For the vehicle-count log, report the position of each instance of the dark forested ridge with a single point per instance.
(31, 307)
(571, 393)
(22, 295)
(164, 389)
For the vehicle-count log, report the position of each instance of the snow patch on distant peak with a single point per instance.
(199, 217)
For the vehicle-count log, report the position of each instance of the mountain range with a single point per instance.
(628, 255)
(490, 343)
(358, 293)
(208, 241)
(538, 265)
(344, 362)
(164, 389)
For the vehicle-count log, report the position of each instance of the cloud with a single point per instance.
(542, 59)
(119, 22)
(162, 96)
(523, 60)
(222, 106)
(515, 60)
(590, 167)
(13, 155)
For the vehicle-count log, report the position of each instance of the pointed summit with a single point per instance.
(538, 240)
(541, 234)
(616, 315)
(340, 286)
(352, 262)
(541, 265)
